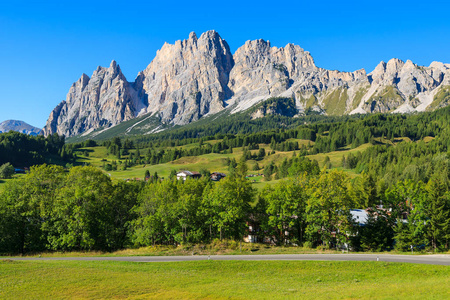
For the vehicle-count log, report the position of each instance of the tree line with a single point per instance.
(334, 131)
(84, 209)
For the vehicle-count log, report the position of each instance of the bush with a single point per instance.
(308, 244)
(6, 171)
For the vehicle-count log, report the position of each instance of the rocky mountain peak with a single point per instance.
(386, 71)
(394, 65)
(113, 65)
(379, 69)
(438, 65)
(82, 82)
(111, 72)
(193, 36)
(409, 65)
(199, 75)
(188, 79)
(104, 99)
(210, 35)
(19, 126)
(262, 71)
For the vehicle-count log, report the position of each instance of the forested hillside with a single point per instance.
(22, 150)
(394, 167)
(401, 146)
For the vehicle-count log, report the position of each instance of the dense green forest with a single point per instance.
(22, 150)
(347, 128)
(83, 209)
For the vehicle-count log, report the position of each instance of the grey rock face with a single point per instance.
(198, 76)
(262, 71)
(105, 99)
(403, 86)
(188, 79)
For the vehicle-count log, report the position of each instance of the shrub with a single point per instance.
(6, 171)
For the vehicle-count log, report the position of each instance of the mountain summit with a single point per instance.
(19, 126)
(199, 76)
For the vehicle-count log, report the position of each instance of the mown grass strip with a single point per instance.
(222, 279)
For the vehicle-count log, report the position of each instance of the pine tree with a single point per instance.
(273, 144)
(439, 215)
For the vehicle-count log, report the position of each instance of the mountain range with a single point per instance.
(199, 76)
(20, 126)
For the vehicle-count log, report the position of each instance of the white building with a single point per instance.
(359, 216)
(188, 174)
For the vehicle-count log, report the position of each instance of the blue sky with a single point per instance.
(45, 47)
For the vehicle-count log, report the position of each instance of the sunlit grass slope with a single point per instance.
(215, 162)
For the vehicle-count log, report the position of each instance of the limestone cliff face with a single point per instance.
(262, 71)
(105, 99)
(189, 79)
(399, 86)
(198, 76)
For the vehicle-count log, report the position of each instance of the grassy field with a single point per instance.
(336, 156)
(222, 280)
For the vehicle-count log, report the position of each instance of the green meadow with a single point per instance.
(215, 162)
(222, 280)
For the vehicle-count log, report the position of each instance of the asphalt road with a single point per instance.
(416, 259)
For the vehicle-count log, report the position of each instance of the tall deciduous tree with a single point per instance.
(328, 209)
(6, 171)
(285, 206)
(406, 200)
(26, 209)
(228, 206)
(80, 217)
(154, 216)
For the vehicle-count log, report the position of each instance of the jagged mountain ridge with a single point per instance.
(199, 76)
(19, 126)
(188, 79)
(104, 99)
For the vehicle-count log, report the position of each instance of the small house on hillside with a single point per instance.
(188, 174)
(216, 176)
